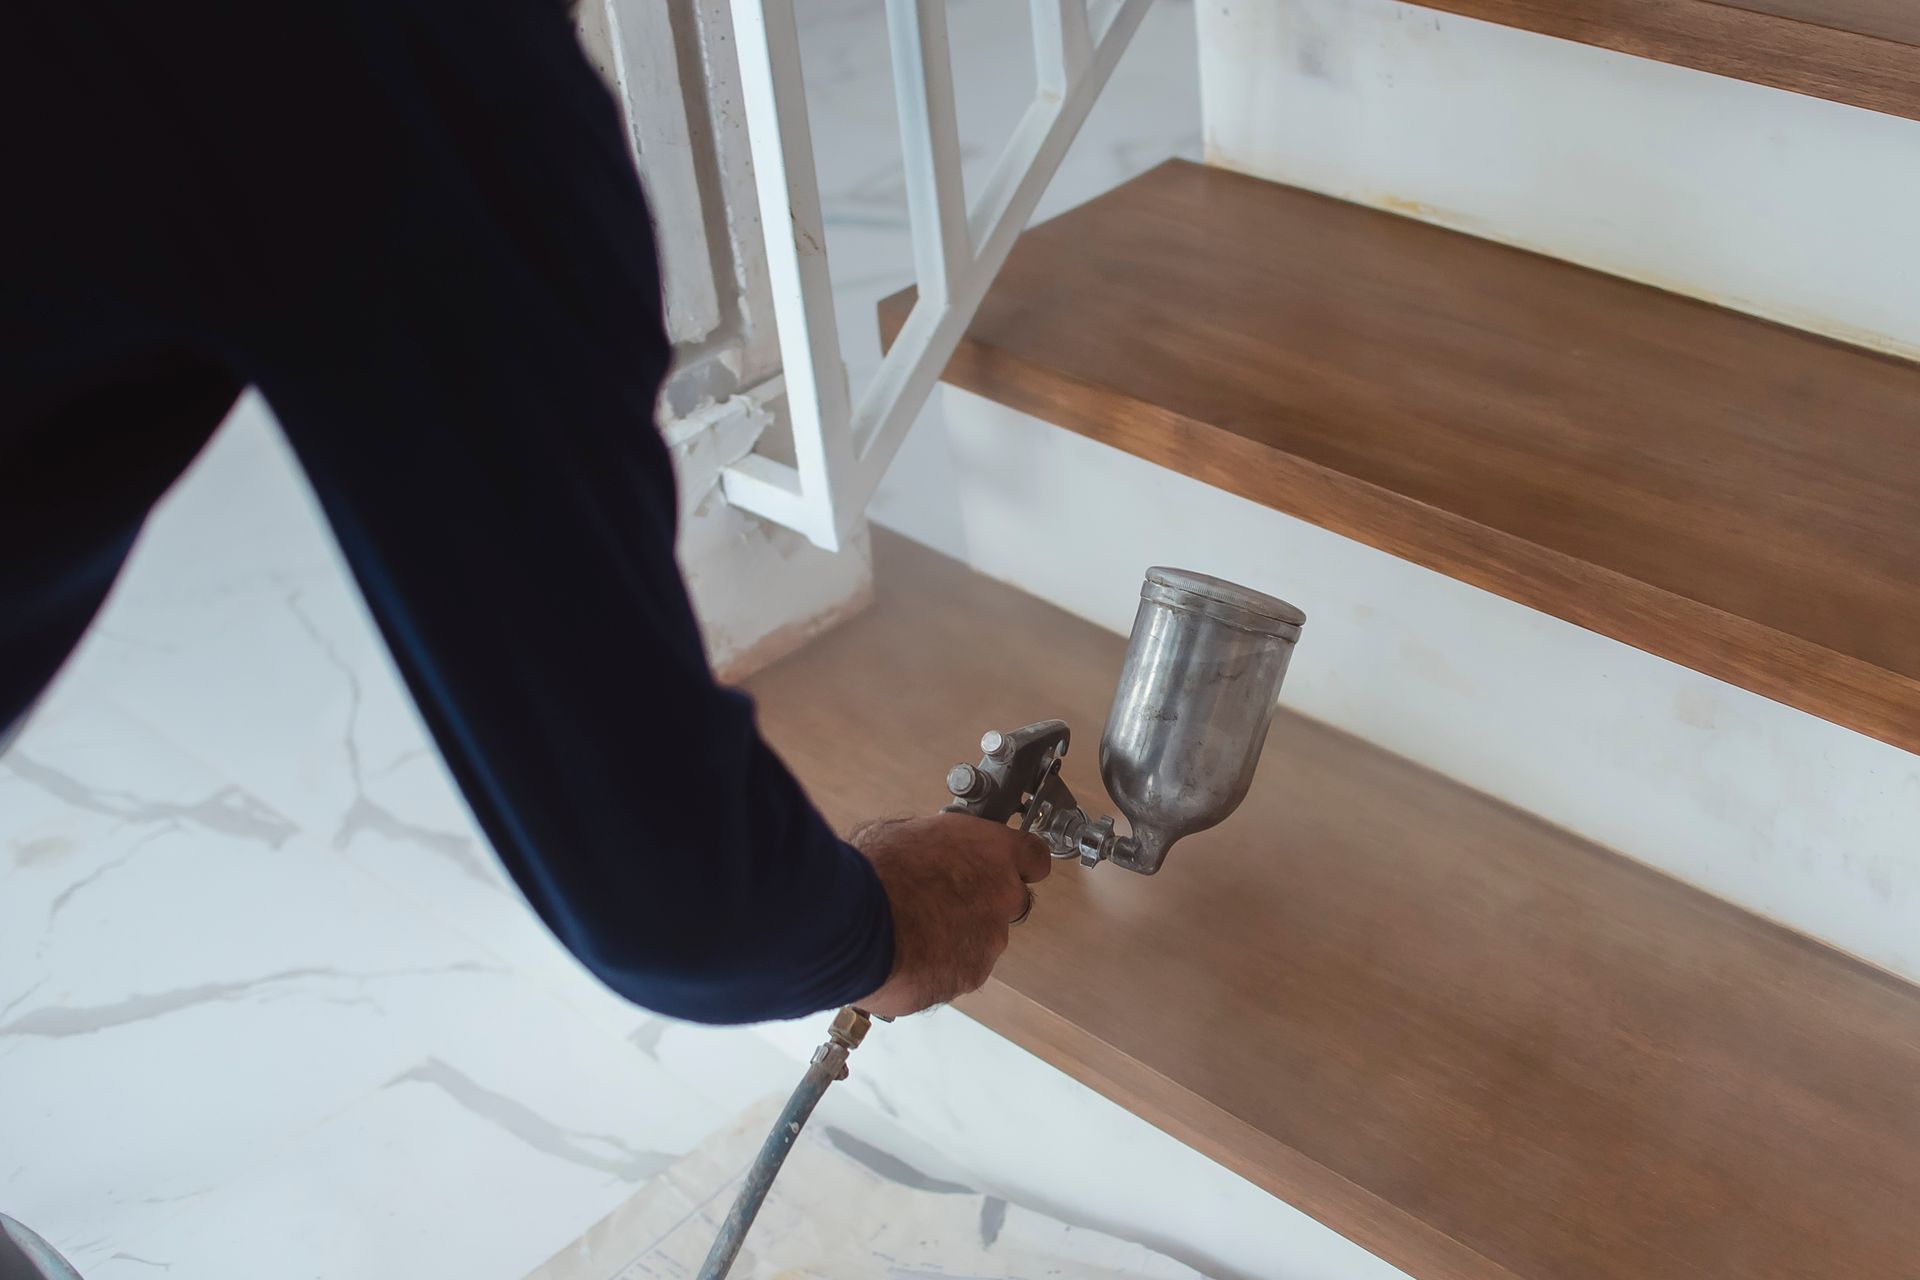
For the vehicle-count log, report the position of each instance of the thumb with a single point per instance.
(1031, 858)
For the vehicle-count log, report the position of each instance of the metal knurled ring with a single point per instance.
(1094, 839)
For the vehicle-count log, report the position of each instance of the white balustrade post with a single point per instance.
(842, 447)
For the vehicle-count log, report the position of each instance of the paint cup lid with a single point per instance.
(1228, 602)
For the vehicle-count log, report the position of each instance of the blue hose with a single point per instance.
(829, 1064)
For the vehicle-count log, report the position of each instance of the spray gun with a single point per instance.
(1196, 697)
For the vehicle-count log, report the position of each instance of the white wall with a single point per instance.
(1789, 207)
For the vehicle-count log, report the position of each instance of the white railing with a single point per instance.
(842, 447)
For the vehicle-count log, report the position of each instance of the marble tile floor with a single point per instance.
(267, 1004)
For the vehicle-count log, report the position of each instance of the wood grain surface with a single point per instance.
(1865, 53)
(1736, 496)
(1474, 1044)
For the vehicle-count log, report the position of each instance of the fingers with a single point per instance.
(1030, 857)
(1009, 899)
(1003, 849)
(956, 884)
(895, 1000)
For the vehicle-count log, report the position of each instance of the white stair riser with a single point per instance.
(1770, 202)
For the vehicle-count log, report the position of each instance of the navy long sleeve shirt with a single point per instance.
(414, 225)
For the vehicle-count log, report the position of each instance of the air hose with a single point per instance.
(829, 1064)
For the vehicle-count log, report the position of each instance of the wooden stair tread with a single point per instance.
(1473, 1043)
(1865, 53)
(1734, 495)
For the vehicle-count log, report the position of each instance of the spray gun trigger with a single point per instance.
(1038, 806)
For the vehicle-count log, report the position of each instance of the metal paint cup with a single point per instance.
(1193, 706)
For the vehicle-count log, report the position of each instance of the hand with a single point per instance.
(956, 884)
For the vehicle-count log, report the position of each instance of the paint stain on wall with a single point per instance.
(1696, 707)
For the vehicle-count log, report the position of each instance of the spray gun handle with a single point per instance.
(1019, 776)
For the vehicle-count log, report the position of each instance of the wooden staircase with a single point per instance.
(1865, 53)
(1734, 495)
(1477, 1044)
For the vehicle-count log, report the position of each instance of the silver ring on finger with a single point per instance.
(1027, 908)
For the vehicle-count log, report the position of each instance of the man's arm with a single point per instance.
(468, 374)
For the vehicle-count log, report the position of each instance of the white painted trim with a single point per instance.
(772, 491)
(774, 97)
(1007, 200)
(1062, 44)
(930, 144)
(843, 449)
